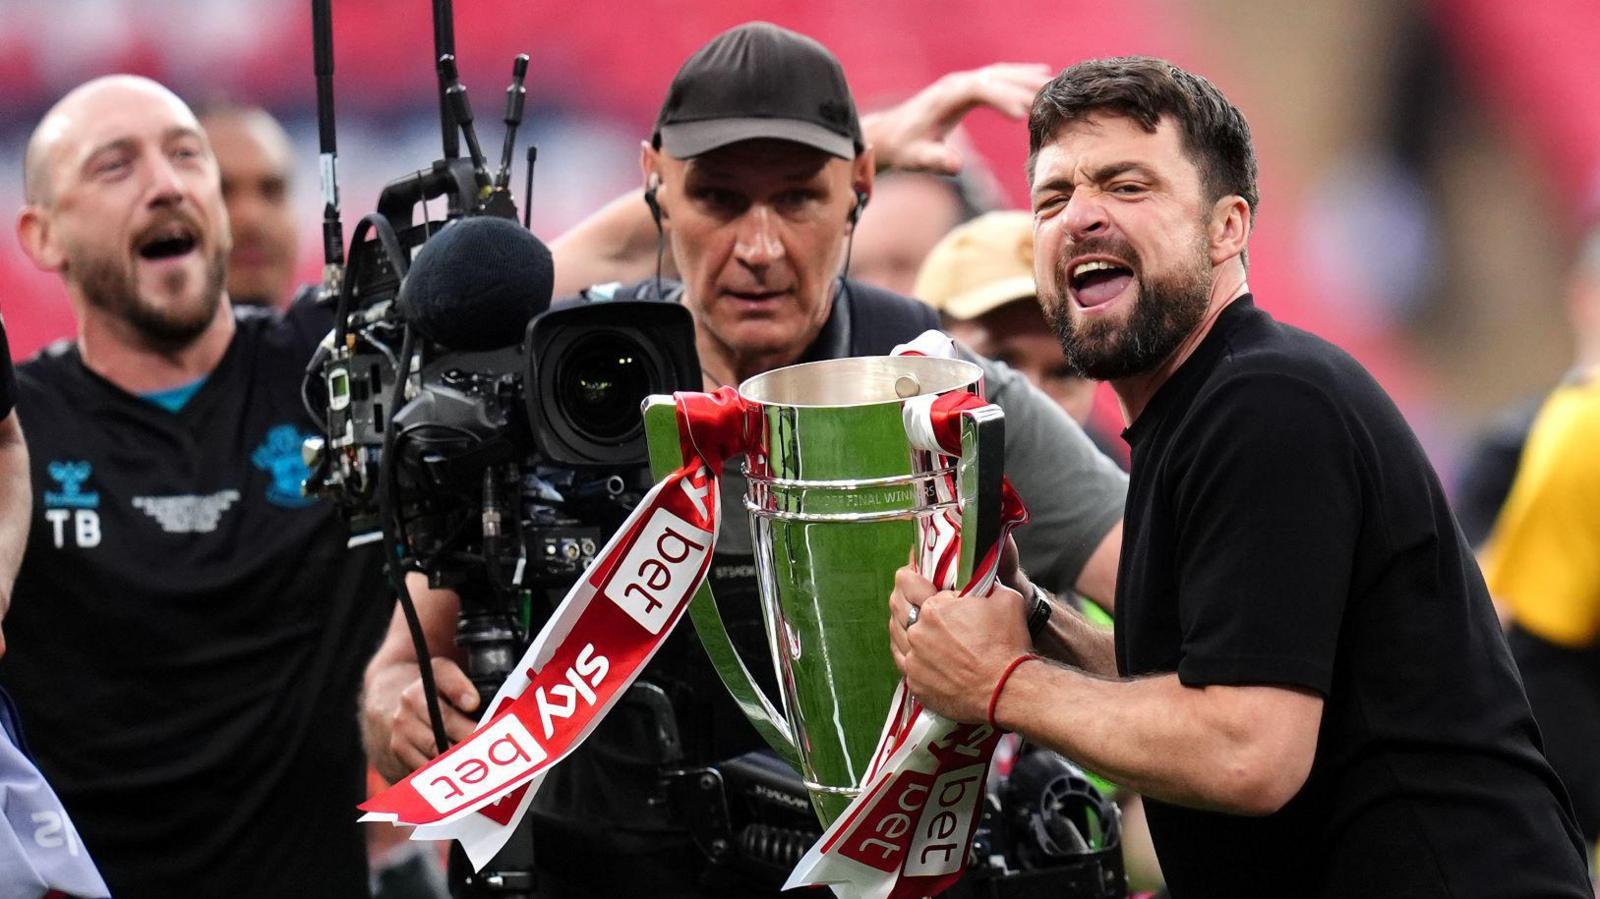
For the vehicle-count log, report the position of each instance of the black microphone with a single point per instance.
(476, 284)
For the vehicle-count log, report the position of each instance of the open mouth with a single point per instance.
(1098, 281)
(168, 241)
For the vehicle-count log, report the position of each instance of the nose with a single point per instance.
(1085, 215)
(757, 244)
(166, 185)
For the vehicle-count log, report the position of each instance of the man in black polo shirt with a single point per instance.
(1307, 680)
(187, 631)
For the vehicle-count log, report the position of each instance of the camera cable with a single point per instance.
(394, 564)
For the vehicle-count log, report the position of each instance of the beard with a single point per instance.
(114, 288)
(1165, 310)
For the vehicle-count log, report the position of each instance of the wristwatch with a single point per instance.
(1039, 612)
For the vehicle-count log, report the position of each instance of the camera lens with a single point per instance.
(600, 384)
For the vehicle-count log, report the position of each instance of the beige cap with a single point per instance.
(980, 265)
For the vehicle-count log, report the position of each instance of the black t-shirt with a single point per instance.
(1284, 528)
(187, 634)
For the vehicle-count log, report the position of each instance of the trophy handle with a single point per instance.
(979, 474)
(666, 455)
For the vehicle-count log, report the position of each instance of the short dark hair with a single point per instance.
(1141, 88)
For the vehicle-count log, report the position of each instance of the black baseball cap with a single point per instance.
(757, 80)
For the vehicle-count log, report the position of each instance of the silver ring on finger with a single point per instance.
(911, 616)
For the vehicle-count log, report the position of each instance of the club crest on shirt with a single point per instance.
(279, 456)
(69, 493)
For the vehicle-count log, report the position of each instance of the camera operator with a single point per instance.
(187, 629)
(756, 173)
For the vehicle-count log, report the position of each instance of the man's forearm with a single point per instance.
(380, 696)
(617, 243)
(393, 668)
(1200, 747)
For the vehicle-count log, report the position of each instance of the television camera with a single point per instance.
(491, 442)
(488, 439)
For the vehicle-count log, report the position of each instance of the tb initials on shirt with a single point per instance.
(83, 524)
(70, 501)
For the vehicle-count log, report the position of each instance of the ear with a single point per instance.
(1229, 229)
(648, 161)
(862, 171)
(35, 234)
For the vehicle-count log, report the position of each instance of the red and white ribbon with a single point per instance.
(910, 831)
(607, 628)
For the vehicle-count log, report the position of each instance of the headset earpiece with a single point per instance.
(661, 233)
(861, 204)
(650, 198)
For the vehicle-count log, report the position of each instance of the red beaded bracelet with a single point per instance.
(994, 698)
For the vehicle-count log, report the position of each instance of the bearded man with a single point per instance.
(187, 631)
(1307, 681)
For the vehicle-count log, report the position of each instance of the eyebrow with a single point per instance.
(1098, 176)
(128, 143)
(1111, 170)
(1056, 184)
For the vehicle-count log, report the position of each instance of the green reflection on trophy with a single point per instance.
(838, 500)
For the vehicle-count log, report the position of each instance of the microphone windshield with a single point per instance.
(476, 284)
